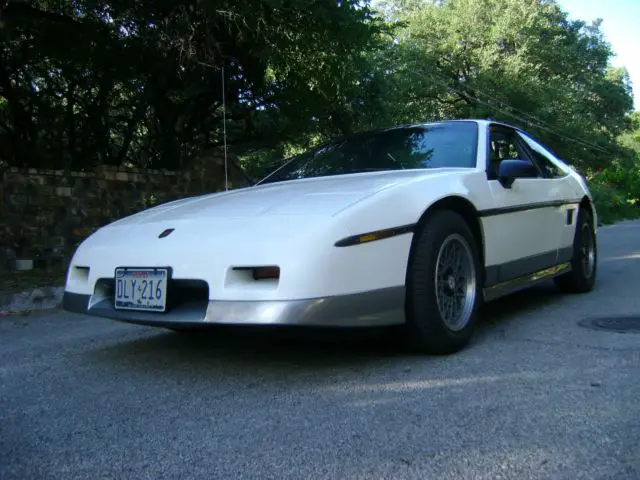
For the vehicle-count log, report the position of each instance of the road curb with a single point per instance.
(32, 300)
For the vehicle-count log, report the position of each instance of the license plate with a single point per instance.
(141, 289)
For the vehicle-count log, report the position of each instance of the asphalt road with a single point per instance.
(535, 396)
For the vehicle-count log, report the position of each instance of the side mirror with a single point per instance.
(512, 169)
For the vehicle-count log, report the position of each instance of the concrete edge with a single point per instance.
(33, 300)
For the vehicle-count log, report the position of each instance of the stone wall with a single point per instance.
(44, 214)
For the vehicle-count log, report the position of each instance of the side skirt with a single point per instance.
(512, 286)
(505, 279)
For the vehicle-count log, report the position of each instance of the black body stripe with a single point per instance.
(385, 233)
(491, 212)
(504, 272)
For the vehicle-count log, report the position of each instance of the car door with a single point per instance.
(523, 228)
(563, 186)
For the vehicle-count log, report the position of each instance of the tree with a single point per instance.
(520, 61)
(116, 82)
(631, 137)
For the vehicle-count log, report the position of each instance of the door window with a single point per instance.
(504, 144)
(545, 160)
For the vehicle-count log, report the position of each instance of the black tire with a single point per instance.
(582, 277)
(426, 327)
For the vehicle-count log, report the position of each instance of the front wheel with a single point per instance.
(443, 285)
(584, 263)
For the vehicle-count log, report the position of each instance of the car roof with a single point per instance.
(479, 121)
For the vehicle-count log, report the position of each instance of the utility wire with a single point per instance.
(553, 131)
(533, 117)
(528, 122)
(443, 81)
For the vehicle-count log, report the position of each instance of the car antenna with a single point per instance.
(224, 135)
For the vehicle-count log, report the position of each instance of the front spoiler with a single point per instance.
(382, 307)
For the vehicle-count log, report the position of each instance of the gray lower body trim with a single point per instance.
(510, 277)
(367, 309)
(506, 272)
(526, 281)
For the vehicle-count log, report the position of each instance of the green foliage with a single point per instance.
(97, 82)
(613, 204)
(617, 187)
(630, 139)
(519, 61)
(616, 191)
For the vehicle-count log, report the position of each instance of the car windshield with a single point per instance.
(446, 144)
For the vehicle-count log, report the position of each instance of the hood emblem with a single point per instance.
(166, 233)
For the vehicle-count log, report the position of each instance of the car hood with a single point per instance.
(324, 196)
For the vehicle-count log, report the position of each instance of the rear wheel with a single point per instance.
(584, 264)
(443, 285)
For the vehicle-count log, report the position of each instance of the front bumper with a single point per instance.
(367, 309)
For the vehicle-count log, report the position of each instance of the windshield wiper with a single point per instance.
(394, 160)
(360, 170)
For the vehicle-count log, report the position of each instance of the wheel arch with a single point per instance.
(466, 210)
(587, 204)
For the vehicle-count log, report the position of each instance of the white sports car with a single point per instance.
(412, 225)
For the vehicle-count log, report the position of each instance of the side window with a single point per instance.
(503, 145)
(543, 158)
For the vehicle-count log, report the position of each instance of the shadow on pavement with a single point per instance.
(309, 348)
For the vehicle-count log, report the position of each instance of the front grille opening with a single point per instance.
(180, 293)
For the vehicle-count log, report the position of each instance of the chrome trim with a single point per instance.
(373, 308)
(455, 281)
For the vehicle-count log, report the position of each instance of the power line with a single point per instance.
(528, 122)
(576, 140)
(540, 121)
